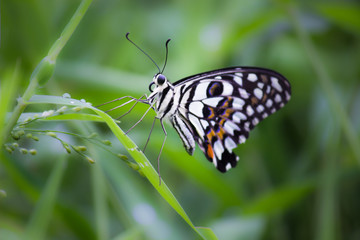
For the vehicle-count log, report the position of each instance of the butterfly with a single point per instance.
(217, 109)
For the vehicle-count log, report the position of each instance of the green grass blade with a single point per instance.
(8, 88)
(44, 70)
(327, 83)
(41, 216)
(76, 116)
(279, 199)
(100, 202)
(145, 165)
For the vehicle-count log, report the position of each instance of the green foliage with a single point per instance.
(68, 171)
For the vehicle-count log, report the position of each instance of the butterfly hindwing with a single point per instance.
(222, 107)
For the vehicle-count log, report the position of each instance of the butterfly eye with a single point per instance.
(150, 86)
(160, 79)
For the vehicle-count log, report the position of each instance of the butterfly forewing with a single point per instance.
(222, 106)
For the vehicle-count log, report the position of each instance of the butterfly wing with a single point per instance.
(222, 106)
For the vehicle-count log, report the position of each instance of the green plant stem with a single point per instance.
(69, 29)
(326, 82)
(45, 67)
(20, 107)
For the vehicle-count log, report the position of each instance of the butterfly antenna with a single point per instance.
(166, 55)
(127, 37)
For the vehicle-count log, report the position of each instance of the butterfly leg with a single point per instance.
(132, 99)
(142, 117)
(118, 99)
(132, 107)
(162, 146)
(121, 105)
(148, 139)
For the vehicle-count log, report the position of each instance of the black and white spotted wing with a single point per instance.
(217, 109)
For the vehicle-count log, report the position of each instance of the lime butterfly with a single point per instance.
(216, 109)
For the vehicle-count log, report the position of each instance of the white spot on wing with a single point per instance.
(238, 103)
(260, 85)
(238, 80)
(230, 127)
(269, 103)
(275, 84)
(218, 149)
(252, 77)
(200, 91)
(242, 139)
(247, 126)
(277, 98)
(196, 108)
(243, 93)
(258, 93)
(204, 123)
(268, 89)
(287, 96)
(218, 77)
(238, 116)
(249, 110)
(229, 144)
(228, 166)
(255, 121)
(212, 102)
(228, 89)
(260, 108)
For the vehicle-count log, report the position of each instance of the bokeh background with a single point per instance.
(298, 175)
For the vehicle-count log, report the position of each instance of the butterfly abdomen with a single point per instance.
(185, 132)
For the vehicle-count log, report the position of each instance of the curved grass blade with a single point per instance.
(145, 165)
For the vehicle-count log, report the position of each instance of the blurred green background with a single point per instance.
(298, 175)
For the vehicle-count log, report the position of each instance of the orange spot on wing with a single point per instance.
(222, 121)
(254, 101)
(210, 135)
(210, 151)
(227, 113)
(214, 88)
(264, 98)
(220, 134)
(212, 114)
(264, 78)
(227, 103)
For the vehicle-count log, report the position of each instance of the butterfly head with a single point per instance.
(160, 81)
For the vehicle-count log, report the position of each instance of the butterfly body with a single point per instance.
(217, 109)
